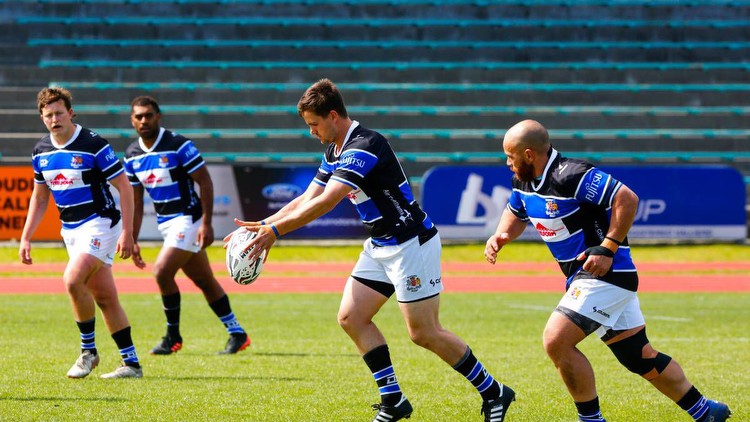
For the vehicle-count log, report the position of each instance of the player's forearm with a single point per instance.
(37, 206)
(207, 201)
(510, 224)
(624, 208)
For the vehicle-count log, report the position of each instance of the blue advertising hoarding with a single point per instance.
(263, 190)
(676, 202)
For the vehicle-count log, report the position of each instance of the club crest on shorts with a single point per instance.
(180, 236)
(95, 244)
(413, 283)
(574, 293)
(551, 208)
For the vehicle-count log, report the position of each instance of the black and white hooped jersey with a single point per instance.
(77, 173)
(380, 190)
(570, 207)
(164, 171)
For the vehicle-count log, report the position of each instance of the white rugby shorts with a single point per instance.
(412, 269)
(181, 233)
(94, 237)
(611, 306)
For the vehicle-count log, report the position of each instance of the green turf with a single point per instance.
(518, 251)
(302, 367)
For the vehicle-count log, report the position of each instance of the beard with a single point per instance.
(526, 172)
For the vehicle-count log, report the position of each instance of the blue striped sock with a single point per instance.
(231, 324)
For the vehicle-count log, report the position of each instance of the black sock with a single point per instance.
(127, 351)
(223, 310)
(88, 338)
(695, 404)
(589, 410)
(172, 311)
(477, 374)
(379, 362)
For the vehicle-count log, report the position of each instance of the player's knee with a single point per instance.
(630, 353)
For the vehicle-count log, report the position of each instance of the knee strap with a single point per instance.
(630, 354)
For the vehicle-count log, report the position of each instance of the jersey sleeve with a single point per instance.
(515, 205)
(107, 161)
(130, 172)
(597, 187)
(354, 165)
(189, 156)
(324, 172)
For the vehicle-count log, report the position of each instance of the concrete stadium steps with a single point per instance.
(305, 50)
(219, 117)
(385, 9)
(277, 72)
(520, 30)
(438, 96)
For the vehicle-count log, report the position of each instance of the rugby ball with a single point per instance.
(242, 270)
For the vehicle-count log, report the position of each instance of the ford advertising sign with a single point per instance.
(676, 202)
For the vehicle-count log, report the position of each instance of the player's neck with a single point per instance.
(61, 138)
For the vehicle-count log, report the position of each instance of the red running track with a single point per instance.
(306, 277)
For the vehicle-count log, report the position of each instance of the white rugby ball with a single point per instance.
(242, 270)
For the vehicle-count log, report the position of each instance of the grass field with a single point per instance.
(302, 367)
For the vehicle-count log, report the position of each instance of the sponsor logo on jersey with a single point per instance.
(544, 231)
(110, 155)
(592, 188)
(192, 150)
(551, 208)
(351, 160)
(163, 161)
(76, 161)
(413, 283)
(60, 181)
(95, 244)
(152, 179)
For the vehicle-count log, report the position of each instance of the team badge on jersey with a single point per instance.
(551, 208)
(413, 283)
(163, 161)
(43, 162)
(95, 244)
(76, 161)
(136, 164)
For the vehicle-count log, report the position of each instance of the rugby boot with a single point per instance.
(167, 346)
(495, 410)
(236, 343)
(717, 411)
(393, 413)
(84, 364)
(124, 371)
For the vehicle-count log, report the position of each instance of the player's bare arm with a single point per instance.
(303, 214)
(508, 229)
(313, 190)
(37, 207)
(138, 192)
(206, 231)
(624, 207)
(125, 242)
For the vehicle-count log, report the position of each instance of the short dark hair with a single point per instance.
(143, 101)
(48, 96)
(322, 97)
